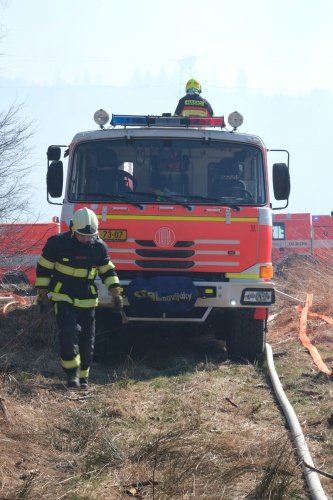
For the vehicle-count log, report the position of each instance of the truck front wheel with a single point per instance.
(246, 336)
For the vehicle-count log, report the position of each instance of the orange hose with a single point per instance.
(17, 300)
(305, 339)
(4, 310)
(321, 316)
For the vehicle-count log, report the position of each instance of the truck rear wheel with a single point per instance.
(246, 336)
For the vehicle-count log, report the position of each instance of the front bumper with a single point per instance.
(216, 294)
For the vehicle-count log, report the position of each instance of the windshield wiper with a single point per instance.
(205, 199)
(161, 197)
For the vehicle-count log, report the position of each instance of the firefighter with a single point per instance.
(65, 275)
(193, 104)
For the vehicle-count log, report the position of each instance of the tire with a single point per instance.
(220, 323)
(15, 278)
(246, 336)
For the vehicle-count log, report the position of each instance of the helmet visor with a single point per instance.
(87, 231)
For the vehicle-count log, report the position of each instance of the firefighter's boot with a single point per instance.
(83, 375)
(72, 378)
(84, 383)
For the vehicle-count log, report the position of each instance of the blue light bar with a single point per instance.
(167, 121)
(132, 120)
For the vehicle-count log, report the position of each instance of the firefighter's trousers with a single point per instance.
(76, 337)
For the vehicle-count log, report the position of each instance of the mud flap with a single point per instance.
(261, 313)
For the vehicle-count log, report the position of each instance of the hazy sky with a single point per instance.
(282, 45)
(140, 53)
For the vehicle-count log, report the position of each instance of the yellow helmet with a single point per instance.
(85, 222)
(193, 85)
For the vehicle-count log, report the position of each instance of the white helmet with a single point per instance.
(85, 222)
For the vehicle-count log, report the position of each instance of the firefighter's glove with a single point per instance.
(117, 300)
(42, 298)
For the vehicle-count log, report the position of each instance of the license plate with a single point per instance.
(113, 234)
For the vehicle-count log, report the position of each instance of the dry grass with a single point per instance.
(303, 276)
(169, 418)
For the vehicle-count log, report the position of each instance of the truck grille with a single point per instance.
(164, 264)
(166, 254)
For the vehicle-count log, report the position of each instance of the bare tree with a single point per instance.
(15, 135)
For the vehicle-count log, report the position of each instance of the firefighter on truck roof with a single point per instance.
(66, 271)
(193, 104)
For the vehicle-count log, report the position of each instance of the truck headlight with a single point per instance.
(258, 296)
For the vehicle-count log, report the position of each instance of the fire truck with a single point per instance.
(292, 235)
(322, 238)
(21, 245)
(183, 204)
(302, 235)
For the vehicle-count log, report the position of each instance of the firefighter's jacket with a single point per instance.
(194, 105)
(68, 268)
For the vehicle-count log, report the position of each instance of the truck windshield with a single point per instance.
(153, 170)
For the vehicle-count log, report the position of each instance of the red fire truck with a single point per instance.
(21, 245)
(184, 205)
(292, 234)
(302, 234)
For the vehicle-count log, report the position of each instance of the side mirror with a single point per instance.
(281, 181)
(54, 179)
(53, 153)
